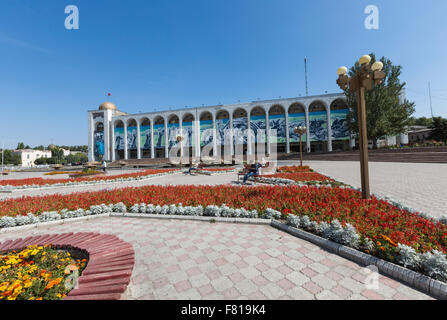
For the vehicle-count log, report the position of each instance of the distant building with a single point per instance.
(418, 134)
(28, 156)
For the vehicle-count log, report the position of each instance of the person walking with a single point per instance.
(104, 166)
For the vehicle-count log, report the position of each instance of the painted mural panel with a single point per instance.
(206, 132)
(99, 143)
(258, 126)
(318, 126)
(222, 126)
(159, 135)
(132, 138)
(339, 124)
(145, 137)
(187, 132)
(278, 122)
(119, 138)
(296, 120)
(240, 133)
(173, 131)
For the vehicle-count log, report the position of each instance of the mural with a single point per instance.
(278, 122)
(132, 138)
(240, 135)
(318, 126)
(119, 138)
(206, 132)
(339, 124)
(173, 131)
(145, 137)
(188, 134)
(159, 135)
(99, 143)
(222, 125)
(296, 120)
(258, 126)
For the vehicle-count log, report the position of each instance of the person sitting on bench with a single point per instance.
(253, 171)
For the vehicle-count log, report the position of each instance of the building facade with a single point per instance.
(115, 135)
(28, 156)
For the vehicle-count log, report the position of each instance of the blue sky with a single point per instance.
(177, 53)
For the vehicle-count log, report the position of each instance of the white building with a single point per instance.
(28, 156)
(115, 135)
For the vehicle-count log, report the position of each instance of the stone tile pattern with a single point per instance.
(177, 259)
(109, 266)
(422, 186)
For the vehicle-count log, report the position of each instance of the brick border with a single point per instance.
(414, 279)
(109, 268)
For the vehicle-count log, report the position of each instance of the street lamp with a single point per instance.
(365, 77)
(300, 131)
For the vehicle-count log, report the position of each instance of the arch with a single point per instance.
(222, 126)
(297, 117)
(222, 114)
(318, 126)
(188, 117)
(145, 137)
(173, 118)
(277, 109)
(239, 113)
(258, 126)
(145, 121)
(206, 129)
(257, 111)
(132, 138)
(98, 141)
(99, 126)
(159, 137)
(118, 143)
(206, 115)
(188, 132)
(340, 132)
(277, 121)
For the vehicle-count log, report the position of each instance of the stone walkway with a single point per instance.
(422, 186)
(176, 259)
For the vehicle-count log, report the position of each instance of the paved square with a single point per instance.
(176, 259)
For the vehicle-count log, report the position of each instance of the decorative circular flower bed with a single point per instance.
(38, 272)
(50, 268)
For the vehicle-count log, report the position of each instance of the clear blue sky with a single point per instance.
(176, 53)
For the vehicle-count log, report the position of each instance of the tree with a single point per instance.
(20, 146)
(439, 129)
(385, 115)
(11, 158)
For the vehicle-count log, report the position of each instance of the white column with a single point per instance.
(267, 131)
(214, 137)
(166, 139)
(138, 141)
(91, 140)
(197, 136)
(113, 142)
(287, 132)
(231, 133)
(249, 145)
(152, 140)
(329, 130)
(125, 142)
(308, 129)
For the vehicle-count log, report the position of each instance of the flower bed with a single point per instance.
(37, 273)
(292, 169)
(40, 182)
(370, 217)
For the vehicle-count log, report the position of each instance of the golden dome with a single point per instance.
(107, 106)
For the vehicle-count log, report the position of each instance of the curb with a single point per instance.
(194, 218)
(409, 277)
(88, 184)
(110, 262)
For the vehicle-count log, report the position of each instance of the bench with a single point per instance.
(267, 169)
